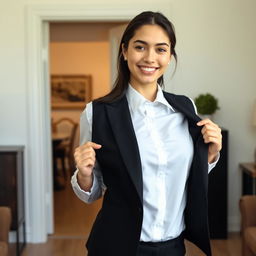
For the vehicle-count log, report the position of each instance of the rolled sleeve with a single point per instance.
(212, 165)
(86, 196)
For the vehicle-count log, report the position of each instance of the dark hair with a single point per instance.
(144, 18)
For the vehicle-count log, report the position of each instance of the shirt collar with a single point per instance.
(137, 100)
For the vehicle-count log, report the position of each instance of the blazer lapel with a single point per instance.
(181, 104)
(121, 123)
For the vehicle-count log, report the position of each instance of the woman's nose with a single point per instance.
(149, 56)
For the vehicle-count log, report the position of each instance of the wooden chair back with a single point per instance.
(61, 126)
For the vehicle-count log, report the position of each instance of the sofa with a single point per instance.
(248, 224)
(5, 223)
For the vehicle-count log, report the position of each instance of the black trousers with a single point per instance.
(174, 247)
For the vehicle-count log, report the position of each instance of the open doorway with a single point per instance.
(77, 49)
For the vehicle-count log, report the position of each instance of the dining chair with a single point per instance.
(66, 147)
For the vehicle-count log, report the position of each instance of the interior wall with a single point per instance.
(90, 58)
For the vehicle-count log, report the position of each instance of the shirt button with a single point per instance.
(157, 225)
(160, 174)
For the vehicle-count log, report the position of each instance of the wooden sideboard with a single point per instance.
(12, 190)
(248, 178)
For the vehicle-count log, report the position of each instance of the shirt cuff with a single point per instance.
(84, 195)
(212, 165)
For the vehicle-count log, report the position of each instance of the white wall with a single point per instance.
(216, 52)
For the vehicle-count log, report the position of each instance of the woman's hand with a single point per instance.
(212, 135)
(85, 161)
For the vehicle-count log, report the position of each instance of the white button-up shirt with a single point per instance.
(166, 152)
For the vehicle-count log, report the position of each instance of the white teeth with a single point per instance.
(148, 69)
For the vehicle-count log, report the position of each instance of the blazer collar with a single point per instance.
(137, 100)
(181, 104)
(184, 105)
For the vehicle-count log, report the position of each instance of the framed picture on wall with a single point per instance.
(70, 91)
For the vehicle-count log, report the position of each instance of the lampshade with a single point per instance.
(254, 114)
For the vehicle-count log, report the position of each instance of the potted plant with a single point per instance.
(206, 105)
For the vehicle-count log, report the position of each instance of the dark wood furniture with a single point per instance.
(248, 178)
(12, 190)
(218, 193)
(59, 179)
(68, 145)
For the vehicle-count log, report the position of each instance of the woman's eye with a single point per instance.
(162, 50)
(139, 47)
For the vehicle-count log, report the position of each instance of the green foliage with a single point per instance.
(206, 104)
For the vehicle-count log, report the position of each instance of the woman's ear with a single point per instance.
(124, 52)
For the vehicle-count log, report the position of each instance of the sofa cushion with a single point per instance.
(3, 249)
(250, 238)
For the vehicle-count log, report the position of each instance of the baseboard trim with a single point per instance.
(234, 224)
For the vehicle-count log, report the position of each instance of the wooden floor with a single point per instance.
(72, 217)
(73, 221)
(57, 246)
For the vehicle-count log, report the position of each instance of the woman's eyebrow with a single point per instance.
(143, 42)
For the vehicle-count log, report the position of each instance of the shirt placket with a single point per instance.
(160, 186)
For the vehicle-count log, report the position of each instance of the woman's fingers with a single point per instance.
(211, 140)
(93, 145)
(86, 163)
(211, 127)
(87, 149)
(85, 157)
(204, 122)
(212, 134)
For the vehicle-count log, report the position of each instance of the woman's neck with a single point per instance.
(148, 91)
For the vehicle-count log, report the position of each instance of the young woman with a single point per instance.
(147, 152)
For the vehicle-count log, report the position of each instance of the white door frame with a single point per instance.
(38, 178)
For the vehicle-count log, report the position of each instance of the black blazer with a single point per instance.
(116, 230)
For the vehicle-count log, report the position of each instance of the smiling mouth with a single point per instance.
(148, 70)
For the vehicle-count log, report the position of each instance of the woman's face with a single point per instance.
(148, 55)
